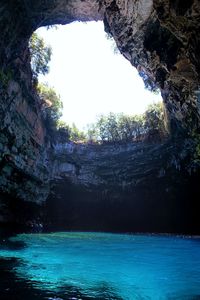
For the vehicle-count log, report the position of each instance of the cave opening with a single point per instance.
(91, 76)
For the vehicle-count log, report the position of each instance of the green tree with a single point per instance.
(40, 55)
(125, 128)
(77, 135)
(112, 127)
(107, 128)
(51, 103)
(92, 133)
(102, 128)
(63, 131)
(155, 120)
(137, 126)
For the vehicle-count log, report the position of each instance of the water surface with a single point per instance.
(100, 266)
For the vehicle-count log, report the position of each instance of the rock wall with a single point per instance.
(22, 145)
(161, 38)
(123, 187)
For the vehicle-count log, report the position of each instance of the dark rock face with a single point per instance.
(128, 187)
(23, 164)
(158, 38)
(161, 38)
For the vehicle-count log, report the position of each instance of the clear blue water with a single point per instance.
(108, 266)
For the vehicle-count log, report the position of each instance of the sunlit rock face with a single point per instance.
(161, 38)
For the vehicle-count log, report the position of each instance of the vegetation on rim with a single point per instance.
(109, 128)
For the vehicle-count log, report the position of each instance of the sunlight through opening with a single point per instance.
(90, 78)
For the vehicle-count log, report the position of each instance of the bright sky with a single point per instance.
(89, 77)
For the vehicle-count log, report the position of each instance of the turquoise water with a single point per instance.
(108, 266)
